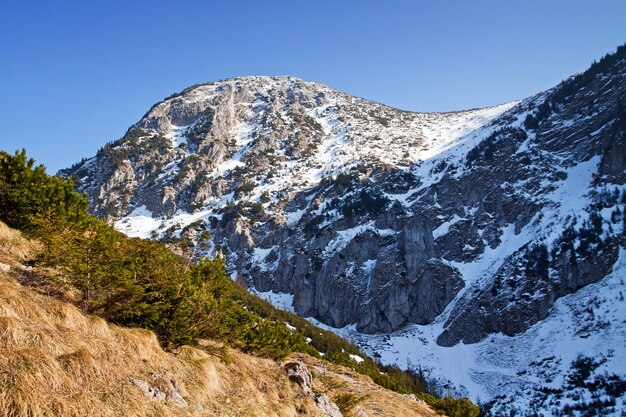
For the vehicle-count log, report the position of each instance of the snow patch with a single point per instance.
(280, 300)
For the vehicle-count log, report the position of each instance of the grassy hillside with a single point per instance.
(138, 283)
(57, 361)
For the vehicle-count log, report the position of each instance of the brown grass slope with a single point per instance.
(56, 361)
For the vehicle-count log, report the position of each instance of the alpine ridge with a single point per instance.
(487, 245)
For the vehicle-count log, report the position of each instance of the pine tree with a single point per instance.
(28, 195)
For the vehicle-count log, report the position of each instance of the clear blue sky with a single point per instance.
(76, 74)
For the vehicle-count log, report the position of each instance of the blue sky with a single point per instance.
(76, 74)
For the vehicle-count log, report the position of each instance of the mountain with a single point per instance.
(484, 245)
(269, 165)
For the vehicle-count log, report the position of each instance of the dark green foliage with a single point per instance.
(253, 211)
(530, 122)
(344, 182)
(564, 245)
(582, 367)
(196, 226)
(186, 166)
(201, 128)
(265, 197)
(538, 262)
(77, 165)
(489, 146)
(590, 234)
(104, 151)
(273, 339)
(589, 238)
(137, 283)
(620, 121)
(27, 194)
(565, 91)
(245, 188)
(452, 407)
(568, 88)
(311, 226)
(132, 145)
(586, 392)
(364, 203)
(543, 112)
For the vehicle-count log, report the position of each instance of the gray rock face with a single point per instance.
(614, 157)
(395, 272)
(416, 245)
(377, 217)
(517, 298)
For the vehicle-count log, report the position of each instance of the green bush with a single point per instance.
(246, 188)
(28, 194)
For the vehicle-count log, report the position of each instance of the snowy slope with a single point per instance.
(588, 323)
(345, 145)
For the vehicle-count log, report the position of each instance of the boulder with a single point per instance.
(300, 374)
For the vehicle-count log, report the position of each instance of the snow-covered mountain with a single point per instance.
(486, 246)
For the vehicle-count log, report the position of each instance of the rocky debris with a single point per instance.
(25, 268)
(300, 374)
(413, 397)
(5, 267)
(162, 389)
(152, 392)
(174, 395)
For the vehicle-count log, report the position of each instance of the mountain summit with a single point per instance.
(492, 238)
(290, 176)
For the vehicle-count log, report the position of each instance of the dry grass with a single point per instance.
(56, 361)
(14, 248)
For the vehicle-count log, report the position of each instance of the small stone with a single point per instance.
(152, 393)
(327, 406)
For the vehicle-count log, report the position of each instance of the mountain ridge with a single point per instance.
(324, 85)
